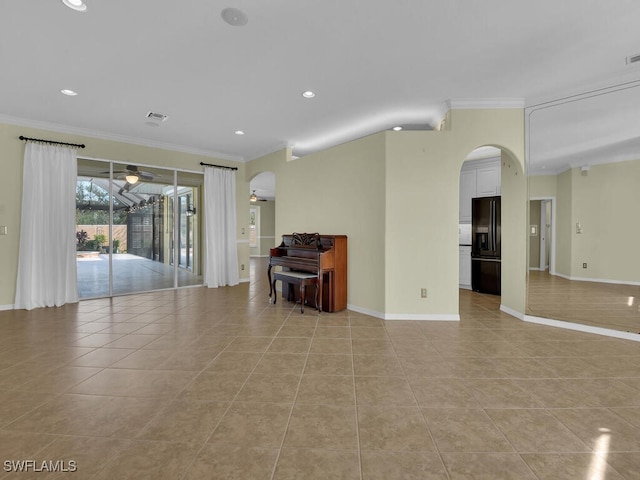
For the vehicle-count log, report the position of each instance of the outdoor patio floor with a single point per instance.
(131, 273)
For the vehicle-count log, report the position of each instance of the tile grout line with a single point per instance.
(206, 441)
(415, 398)
(295, 398)
(355, 400)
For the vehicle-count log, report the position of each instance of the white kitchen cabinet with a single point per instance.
(467, 192)
(479, 178)
(488, 180)
(465, 267)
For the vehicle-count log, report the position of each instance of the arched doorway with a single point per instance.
(479, 247)
(262, 220)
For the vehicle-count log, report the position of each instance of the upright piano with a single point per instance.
(324, 255)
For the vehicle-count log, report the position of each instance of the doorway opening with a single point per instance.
(542, 245)
(137, 228)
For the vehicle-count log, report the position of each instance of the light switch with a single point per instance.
(3, 230)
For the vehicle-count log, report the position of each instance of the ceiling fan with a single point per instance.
(132, 175)
(254, 198)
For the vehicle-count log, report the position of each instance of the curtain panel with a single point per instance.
(221, 259)
(47, 273)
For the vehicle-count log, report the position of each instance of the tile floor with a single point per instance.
(607, 305)
(219, 384)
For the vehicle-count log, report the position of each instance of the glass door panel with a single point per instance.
(138, 228)
(189, 221)
(143, 262)
(92, 228)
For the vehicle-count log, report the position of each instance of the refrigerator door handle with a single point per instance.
(491, 222)
(493, 226)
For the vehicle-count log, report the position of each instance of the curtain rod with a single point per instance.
(27, 139)
(218, 166)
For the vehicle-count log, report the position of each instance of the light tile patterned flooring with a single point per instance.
(606, 305)
(217, 384)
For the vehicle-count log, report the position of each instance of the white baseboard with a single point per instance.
(365, 311)
(512, 312)
(597, 280)
(405, 316)
(464, 287)
(7, 307)
(438, 317)
(583, 328)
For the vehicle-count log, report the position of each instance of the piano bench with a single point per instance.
(301, 279)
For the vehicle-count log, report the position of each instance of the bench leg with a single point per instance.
(302, 296)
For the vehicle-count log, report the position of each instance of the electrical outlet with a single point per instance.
(584, 265)
(242, 267)
(423, 293)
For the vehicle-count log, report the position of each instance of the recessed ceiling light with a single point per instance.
(308, 94)
(69, 93)
(239, 132)
(77, 5)
(234, 17)
(397, 129)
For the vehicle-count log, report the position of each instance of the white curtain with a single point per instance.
(47, 273)
(220, 227)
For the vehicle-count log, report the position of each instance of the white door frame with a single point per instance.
(552, 233)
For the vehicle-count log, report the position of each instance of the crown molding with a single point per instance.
(55, 127)
(484, 103)
(585, 90)
(268, 151)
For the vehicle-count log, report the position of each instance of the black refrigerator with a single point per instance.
(485, 245)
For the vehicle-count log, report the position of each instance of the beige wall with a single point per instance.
(11, 157)
(395, 194)
(267, 238)
(423, 175)
(564, 224)
(266, 217)
(543, 186)
(337, 191)
(604, 202)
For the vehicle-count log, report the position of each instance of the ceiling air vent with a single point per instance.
(633, 59)
(155, 119)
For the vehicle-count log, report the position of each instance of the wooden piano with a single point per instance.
(324, 255)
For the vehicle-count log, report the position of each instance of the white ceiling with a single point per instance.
(373, 64)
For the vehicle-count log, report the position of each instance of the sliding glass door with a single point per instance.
(130, 221)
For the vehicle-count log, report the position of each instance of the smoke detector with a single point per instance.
(155, 119)
(234, 17)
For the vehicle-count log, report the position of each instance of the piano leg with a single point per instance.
(303, 296)
(271, 287)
